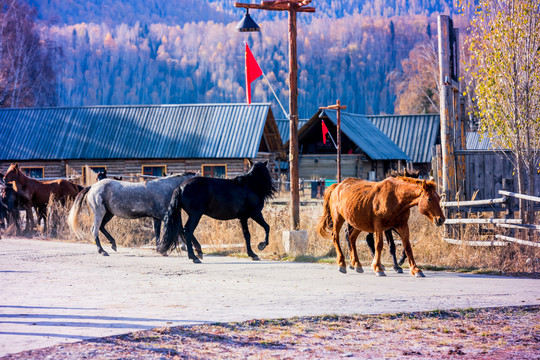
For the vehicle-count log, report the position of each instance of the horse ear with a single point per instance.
(424, 185)
(266, 163)
(17, 166)
(249, 163)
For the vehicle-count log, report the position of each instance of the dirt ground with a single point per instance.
(61, 293)
(492, 333)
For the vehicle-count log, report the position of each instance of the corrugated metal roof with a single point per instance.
(283, 126)
(146, 131)
(414, 134)
(476, 142)
(367, 136)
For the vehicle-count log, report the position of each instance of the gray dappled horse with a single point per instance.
(108, 198)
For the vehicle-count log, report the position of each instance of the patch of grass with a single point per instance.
(310, 259)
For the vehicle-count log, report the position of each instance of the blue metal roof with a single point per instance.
(145, 131)
(367, 136)
(283, 126)
(414, 134)
(477, 142)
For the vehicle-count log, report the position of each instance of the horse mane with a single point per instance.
(429, 183)
(406, 173)
(259, 180)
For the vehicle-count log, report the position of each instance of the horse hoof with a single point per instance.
(200, 255)
(398, 270)
(343, 269)
(196, 261)
(380, 273)
(383, 268)
(359, 269)
(419, 274)
(105, 253)
(255, 258)
(261, 246)
(114, 247)
(164, 254)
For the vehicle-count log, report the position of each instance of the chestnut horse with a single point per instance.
(376, 207)
(38, 193)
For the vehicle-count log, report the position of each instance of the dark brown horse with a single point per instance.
(376, 207)
(38, 193)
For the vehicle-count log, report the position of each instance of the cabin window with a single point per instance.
(154, 170)
(215, 171)
(98, 169)
(33, 172)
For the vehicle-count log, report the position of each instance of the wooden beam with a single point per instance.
(474, 202)
(519, 196)
(482, 221)
(518, 241)
(275, 7)
(475, 243)
(520, 226)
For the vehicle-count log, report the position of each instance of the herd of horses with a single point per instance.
(378, 208)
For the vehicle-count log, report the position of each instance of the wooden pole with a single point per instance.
(448, 83)
(293, 7)
(293, 122)
(337, 107)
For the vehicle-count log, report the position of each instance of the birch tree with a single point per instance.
(505, 67)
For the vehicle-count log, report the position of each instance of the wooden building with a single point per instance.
(367, 153)
(138, 141)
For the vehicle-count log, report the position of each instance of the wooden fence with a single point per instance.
(492, 228)
(485, 171)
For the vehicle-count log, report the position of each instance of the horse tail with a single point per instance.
(172, 224)
(325, 225)
(73, 217)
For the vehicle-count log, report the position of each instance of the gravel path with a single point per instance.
(57, 292)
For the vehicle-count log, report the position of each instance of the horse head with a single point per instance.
(12, 174)
(429, 204)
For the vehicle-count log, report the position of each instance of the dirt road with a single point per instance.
(55, 292)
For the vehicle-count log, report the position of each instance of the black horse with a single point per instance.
(11, 204)
(224, 199)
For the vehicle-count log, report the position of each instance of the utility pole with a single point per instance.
(337, 107)
(293, 7)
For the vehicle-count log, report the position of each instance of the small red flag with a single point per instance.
(253, 71)
(324, 131)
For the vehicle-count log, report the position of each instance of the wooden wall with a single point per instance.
(131, 168)
(319, 166)
(485, 171)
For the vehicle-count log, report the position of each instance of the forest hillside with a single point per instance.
(187, 51)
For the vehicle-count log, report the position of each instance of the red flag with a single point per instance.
(253, 71)
(324, 131)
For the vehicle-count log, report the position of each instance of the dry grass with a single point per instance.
(226, 237)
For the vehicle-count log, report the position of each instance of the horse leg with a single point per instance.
(351, 234)
(377, 267)
(258, 218)
(338, 223)
(157, 231)
(404, 232)
(108, 216)
(247, 238)
(403, 257)
(98, 218)
(392, 246)
(189, 238)
(29, 220)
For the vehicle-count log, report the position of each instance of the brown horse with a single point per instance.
(38, 193)
(375, 207)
